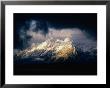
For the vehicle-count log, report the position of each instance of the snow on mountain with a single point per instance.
(50, 48)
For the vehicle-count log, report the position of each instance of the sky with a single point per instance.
(32, 28)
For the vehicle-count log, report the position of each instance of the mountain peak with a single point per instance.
(59, 48)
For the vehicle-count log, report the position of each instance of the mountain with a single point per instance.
(49, 49)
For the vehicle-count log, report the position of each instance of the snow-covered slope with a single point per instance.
(50, 48)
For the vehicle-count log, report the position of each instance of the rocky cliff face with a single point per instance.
(51, 49)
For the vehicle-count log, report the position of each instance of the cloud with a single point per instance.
(37, 35)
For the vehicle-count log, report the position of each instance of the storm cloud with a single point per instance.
(31, 29)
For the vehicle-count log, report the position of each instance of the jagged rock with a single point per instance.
(51, 49)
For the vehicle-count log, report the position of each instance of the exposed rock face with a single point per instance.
(54, 49)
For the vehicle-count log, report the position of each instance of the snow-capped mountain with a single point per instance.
(51, 48)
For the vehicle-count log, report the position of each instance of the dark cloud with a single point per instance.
(34, 28)
(58, 20)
